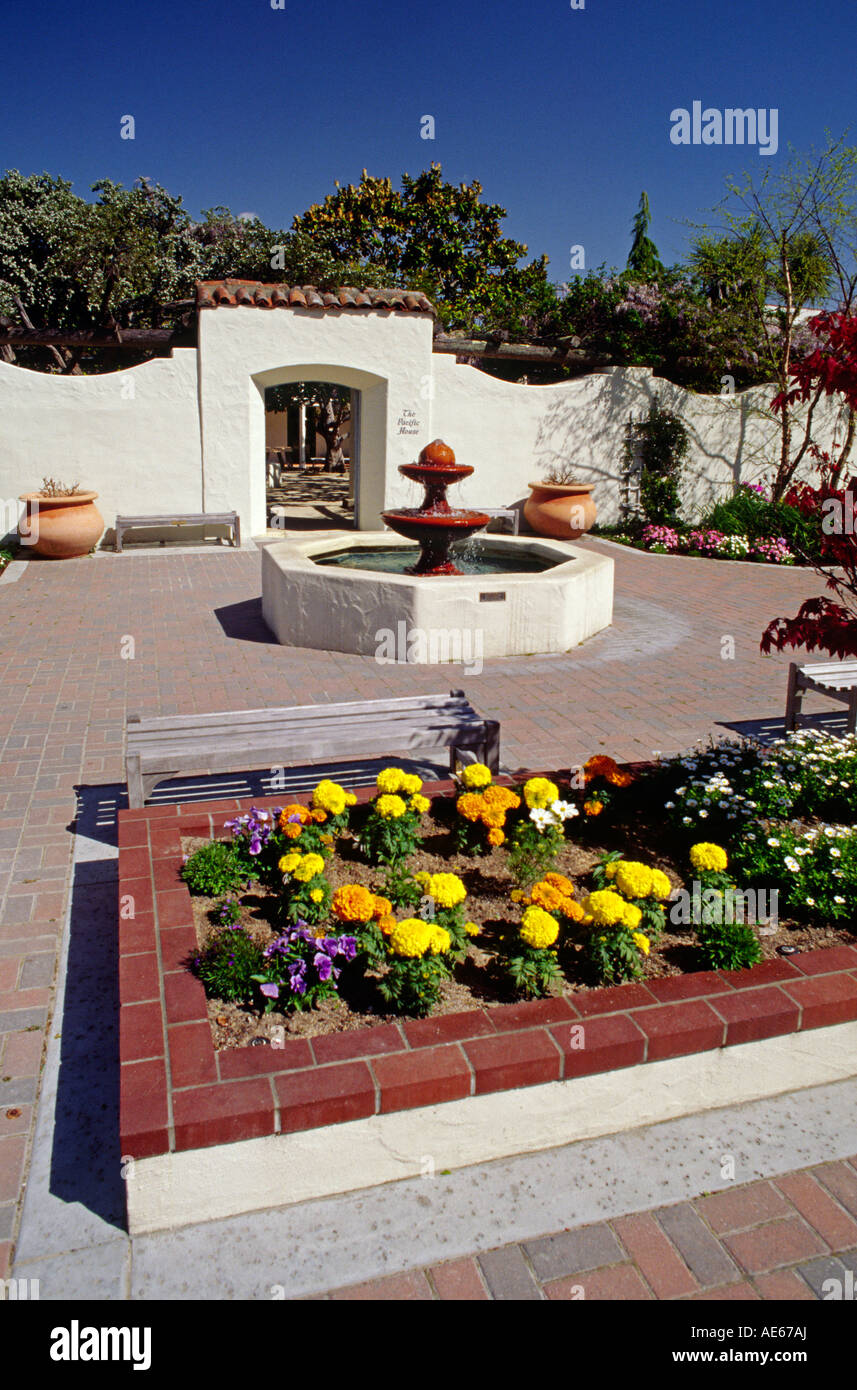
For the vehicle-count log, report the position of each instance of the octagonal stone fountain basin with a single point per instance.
(313, 597)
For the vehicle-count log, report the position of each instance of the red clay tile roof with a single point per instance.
(215, 294)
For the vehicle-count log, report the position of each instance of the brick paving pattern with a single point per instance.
(777, 1240)
(86, 642)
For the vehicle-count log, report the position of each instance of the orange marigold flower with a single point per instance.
(353, 903)
(383, 906)
(546, 896)
(288, 814)
(292, 831)
(620, 779)
(319, 816)
(501, 798)
(387, 923)
(495, 837)
(599, 766)
(470, 806)
(593, 808)
(572, 910)
(560, 881)
(493, 820)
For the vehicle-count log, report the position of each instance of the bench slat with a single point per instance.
(316, 714)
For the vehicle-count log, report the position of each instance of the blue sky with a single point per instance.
(563, 115)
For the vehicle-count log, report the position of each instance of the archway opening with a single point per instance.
(311, 454)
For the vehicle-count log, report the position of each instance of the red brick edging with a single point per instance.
(176, 1093)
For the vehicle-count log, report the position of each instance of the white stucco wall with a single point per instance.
(131, 436)
(386, 356)
(513, 434)
(187, 433)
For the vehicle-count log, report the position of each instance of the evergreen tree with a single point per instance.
(643, 258)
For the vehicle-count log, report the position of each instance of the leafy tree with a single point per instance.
(643, 258)
(790, 243)
(434, 236)
(332, 405)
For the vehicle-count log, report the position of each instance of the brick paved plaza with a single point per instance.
(86, 642)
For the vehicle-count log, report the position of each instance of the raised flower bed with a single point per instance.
(183, 1089)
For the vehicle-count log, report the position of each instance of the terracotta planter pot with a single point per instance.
(561, 510)
(61, 527)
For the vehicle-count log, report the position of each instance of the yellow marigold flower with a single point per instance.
(606, 908)
(593, 808)
(476, 775)
(632, 916)
(610, 869)
(440, 940)
(350, 799)
(387, 923)
(420, 804)
(382, 906)
(390, 780)
(411, 783)
(661, 886)
(495, 836)
(289, 862)
(472, 928)
(708, 857)
(310, 865)
(421, 877)
(390, 807)
(412, 937)
(539, 793)
(538, 928)
(641, 942)
(330, 797)
(353, 903)
(516, 895)
(317, 894)
(446, 889)
(633, 879)
(470, 806)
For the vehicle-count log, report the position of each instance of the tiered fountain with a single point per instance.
(435, 525)
(358, 590)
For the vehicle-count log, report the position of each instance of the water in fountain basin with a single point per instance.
(474, 556)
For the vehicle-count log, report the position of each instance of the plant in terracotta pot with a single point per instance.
(560, 506)
(61, 522)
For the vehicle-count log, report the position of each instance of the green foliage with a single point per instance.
(401, 887)
(663, 445)
(411, 984)
(389, 839)
(728, 945)
(215, 869)
(746, 513)
(533, 852)
(434, 236)
(227, 964)
(612, 955)
(531, 969)
(814, 871)
(643, 258)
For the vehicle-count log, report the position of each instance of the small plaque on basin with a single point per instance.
(497, 597)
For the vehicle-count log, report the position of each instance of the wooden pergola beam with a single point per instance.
(559, 356)
(136, 339)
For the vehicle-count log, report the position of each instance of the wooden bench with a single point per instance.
(508, 513)
(838, 679)
(156, 749)
(205, 519)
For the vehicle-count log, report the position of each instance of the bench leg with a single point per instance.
(491, 746)
(134, 778)
(794, 698)
(118, 540)
(851, 722)
(236, 534)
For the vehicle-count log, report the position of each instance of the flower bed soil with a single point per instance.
(181, 1091)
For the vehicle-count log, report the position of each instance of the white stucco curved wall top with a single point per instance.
(186, 433)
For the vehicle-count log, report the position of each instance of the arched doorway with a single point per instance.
(366, 433)
(311, 459)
